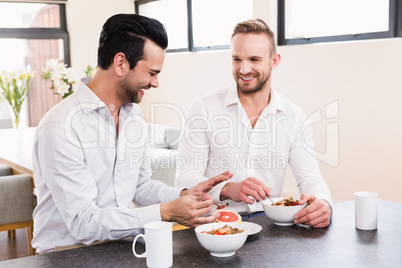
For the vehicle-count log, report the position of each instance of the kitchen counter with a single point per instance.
(339, 245)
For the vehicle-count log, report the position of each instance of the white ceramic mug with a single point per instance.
(158, 244)
(366, 210)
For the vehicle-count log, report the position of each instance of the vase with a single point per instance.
(15, 114)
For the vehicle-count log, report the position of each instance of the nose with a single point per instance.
(155, 82)
(245, 67)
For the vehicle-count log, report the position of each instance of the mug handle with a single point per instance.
(143, 255)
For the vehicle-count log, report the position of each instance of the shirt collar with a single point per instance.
(86, 97)
(91, 102)
(275, 104)
(231, 97)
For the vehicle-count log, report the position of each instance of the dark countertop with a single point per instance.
(339, 245)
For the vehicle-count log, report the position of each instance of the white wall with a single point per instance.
(363, 76)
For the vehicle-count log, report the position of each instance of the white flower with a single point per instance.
(62, 88)
(56, 76)
(53, 64)
(62, 78)
(71, 76)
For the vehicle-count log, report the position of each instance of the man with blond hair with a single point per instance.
(253, 131)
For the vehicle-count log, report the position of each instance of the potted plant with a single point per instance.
(14, 86)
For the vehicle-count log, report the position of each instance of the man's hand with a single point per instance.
(206, 186)
(318, 213)
(242, 191)
(189, 209)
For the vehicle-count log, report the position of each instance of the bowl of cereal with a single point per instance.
(222, 239)
(283, 211)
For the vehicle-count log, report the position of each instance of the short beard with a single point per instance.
(258, 88)
(127, 93)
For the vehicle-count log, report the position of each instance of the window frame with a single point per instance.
(394, 23)
(399, 26)
(190, 33)
(43, 33)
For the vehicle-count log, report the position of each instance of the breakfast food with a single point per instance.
(225, 230)
(228, 216)
(287, 202)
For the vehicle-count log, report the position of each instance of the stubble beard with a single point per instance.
(253, 90)
(128, 93)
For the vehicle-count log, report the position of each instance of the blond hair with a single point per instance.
(256, 26)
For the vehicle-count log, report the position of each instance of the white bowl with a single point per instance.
(221, 245)
(283, 216)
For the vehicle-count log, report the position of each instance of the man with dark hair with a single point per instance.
(91, 181)
(129, 38)
(255, 132)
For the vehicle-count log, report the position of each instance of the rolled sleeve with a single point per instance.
(149, 214)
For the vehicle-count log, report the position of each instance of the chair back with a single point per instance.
(16, 199)
(5, 170)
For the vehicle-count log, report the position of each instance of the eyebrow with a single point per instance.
(155, 71)
(251, 57)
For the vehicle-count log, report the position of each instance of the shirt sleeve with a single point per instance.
(304, 165)
(69, 182)
(149, 191)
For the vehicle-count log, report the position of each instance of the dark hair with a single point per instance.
(127, 33)
(256, 26)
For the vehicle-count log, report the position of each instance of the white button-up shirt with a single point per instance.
(92, 185)
(219, 137)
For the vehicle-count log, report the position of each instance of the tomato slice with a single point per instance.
(222, 230)
(218, 233)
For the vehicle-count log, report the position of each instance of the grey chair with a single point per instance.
(17, 202)
(5, 170)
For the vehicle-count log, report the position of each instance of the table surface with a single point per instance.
(16, 148)
(339, 245)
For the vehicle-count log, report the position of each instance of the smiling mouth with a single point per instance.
(246, 78)
(144, 89)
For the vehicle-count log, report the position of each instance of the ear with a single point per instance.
(275, 61)
(120, 64)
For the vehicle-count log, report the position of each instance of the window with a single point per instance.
(176, 26)
(399, 19)
(31, 34)
(194, 25)
(312, 21)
